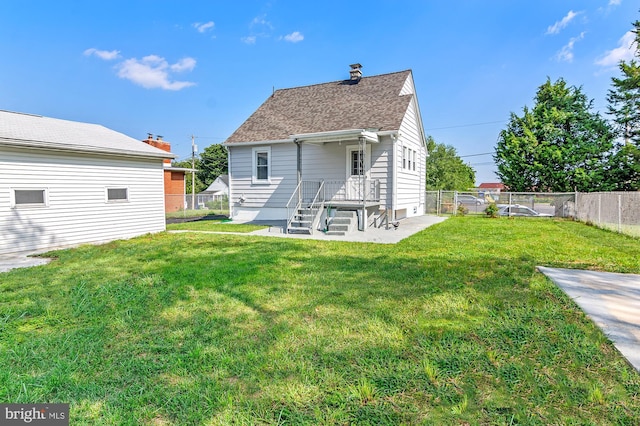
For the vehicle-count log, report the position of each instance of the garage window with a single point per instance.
(115, 195)
(29, 198)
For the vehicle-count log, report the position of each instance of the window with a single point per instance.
(356, 163)
(117, 195)
(29, 198)
(261, 165)
(414, 160)
(404, 157)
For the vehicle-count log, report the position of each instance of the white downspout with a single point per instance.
(394, 174)
(230, 196)
(363, 142)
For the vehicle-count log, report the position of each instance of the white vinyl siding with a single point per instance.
(327, 162)
(117, 195)
(283, 176)
(28, 198)
(410, 185)
(76, 210)
(408, 88)
(261, 165)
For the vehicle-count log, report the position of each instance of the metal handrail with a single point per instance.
(317, 199)
(297, 207)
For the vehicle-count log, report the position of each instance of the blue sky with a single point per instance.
(182, 68)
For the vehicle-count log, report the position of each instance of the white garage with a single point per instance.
(64, 183)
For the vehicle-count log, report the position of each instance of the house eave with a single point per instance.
(256, 143)
(337, 136)
(86, 149)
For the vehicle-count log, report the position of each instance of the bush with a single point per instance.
(462, 210)
(492, 210)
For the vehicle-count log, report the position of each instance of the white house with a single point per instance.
(64, 183)
(219, 187)
(349, 145)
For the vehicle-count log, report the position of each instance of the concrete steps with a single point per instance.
(343, 222)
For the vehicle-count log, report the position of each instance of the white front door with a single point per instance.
(356, 168)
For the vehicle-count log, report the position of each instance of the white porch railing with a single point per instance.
(352, 190)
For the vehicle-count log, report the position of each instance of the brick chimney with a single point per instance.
(160, 144)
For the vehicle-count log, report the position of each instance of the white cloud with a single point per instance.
(153, 72)
(103, 54)
(249, 39)
(560, 25)
(202, 28)
(184, 64)
(566, 53)
(261, 21)
(624, 52)
(614, 2)
(294, 37)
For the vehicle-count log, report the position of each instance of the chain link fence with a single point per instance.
(186, 206)
(509, 203)
(617, 211)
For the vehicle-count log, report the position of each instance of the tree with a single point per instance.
(624, 106)
(209, 165)
(200, 186)
(213, 163)
(446, 170)
(559, 145)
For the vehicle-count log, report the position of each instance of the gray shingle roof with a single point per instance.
(373, 103)
(35, 131)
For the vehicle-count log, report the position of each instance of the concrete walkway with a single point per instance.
(21, 260)
(611, 300)
(406, 228)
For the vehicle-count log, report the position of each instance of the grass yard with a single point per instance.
(451, 326)
(214, 226)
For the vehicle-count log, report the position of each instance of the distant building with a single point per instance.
(174, 178)
(490, 191)
(492, 187)
(219, 187)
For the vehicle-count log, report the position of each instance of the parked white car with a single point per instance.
(518, 210)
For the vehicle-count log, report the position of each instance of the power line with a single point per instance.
(476, 155)
(209, 137)
(467, 125)
(482, 164)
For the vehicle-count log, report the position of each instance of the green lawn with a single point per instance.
(214, 226)
(451, 326)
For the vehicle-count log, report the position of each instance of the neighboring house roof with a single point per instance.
(220, 184)
(180, 169)
(35, 131)
(368, 103)
(489, 185)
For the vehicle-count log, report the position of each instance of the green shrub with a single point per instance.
(492, 210)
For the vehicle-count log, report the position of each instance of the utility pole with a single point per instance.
(194, 149)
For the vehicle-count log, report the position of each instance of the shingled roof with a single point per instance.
(35, 131)
(368, 103)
